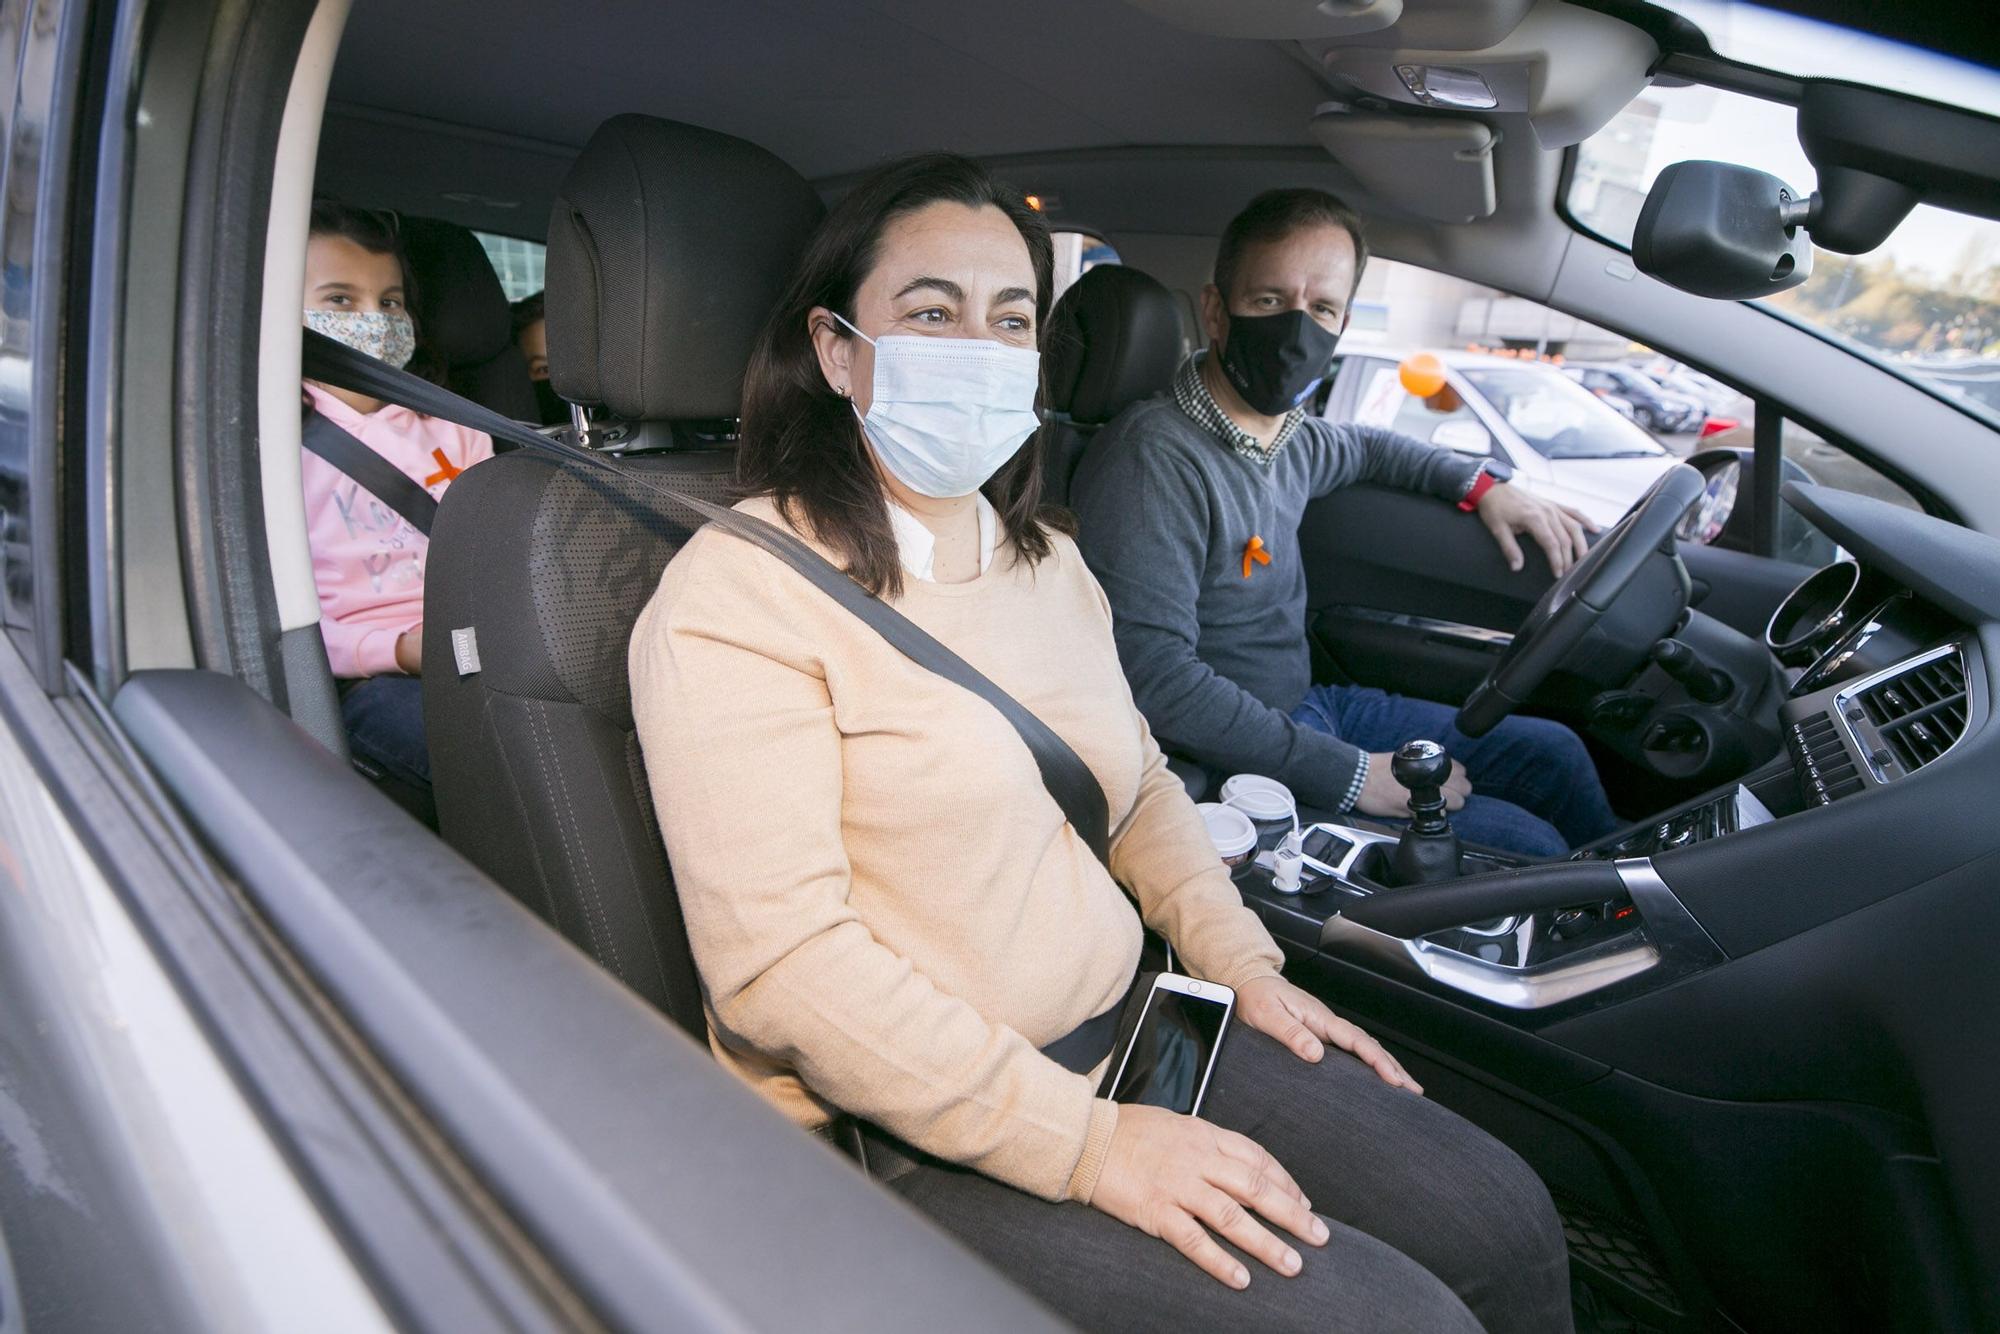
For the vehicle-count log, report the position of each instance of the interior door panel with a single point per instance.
(1411, 655)
(1392, 550)
(1393, 581)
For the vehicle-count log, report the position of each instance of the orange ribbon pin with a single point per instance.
(1253, 550)
(446, 471)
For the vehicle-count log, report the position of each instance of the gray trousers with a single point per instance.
(1436, 1226)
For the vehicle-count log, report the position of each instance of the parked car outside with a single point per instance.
(1556, 438)
(1653, 407)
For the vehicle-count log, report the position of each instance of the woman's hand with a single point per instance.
(1275, 1007)
(1169, 1175)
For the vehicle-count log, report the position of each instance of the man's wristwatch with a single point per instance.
(1482, 482)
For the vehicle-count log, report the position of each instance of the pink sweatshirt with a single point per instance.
(368, 562)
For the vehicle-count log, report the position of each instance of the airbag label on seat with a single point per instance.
(465, 650)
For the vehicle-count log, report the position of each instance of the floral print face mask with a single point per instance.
(384, 335)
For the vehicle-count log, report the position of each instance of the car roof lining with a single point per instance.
(453, 115)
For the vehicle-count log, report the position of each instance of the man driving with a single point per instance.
(1189, 504)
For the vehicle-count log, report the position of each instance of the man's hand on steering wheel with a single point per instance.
(1557, 529)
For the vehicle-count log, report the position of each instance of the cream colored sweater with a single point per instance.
(889, 913)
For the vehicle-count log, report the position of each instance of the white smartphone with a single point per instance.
(1171, 1053)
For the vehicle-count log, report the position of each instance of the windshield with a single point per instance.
(1926, 303)
(1559, 418)
(1808, 49)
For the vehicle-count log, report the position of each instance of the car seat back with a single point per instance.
(1114, 338)
(463, 317)
(668, 247)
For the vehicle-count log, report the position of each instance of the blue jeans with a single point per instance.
(385, 727)
(1534, 788)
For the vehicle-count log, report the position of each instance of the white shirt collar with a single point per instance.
(916, 545)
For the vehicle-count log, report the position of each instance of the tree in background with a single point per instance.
(1877, 303)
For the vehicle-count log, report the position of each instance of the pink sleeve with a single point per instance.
(359, 648)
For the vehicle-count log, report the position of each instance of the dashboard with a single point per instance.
(1886, 685)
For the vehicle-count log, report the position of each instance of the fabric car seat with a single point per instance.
(1114, 338)
(464, 319)
(668, 246)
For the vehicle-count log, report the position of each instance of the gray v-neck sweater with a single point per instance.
(1218, 661)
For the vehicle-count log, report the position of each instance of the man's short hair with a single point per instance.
(1277, 214)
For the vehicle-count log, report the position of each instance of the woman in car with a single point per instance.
(891, 916)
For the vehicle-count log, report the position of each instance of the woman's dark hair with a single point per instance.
(378, 234)
(801, 444)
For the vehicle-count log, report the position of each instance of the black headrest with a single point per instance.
(461, 308)
(668, 247)
(1114, 338)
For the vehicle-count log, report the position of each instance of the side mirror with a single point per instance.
(1464, 436)
(1724, 231)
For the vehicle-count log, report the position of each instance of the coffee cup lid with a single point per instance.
(1228, 828)
(1259, 797)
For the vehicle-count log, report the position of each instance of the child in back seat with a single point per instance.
(368, 560)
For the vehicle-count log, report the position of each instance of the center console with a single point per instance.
(1568, 935)
(1879, 685)
(1624, 926)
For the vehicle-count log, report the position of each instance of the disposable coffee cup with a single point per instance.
(1235, 838)
(1265, 800)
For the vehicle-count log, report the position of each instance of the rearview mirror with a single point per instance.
(1724, 231)
(1464, 436)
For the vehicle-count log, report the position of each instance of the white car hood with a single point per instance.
(1600, 489)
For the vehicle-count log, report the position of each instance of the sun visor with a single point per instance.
(1274, 20)
(1460, 24)
(1435, 167)
(1568, 70)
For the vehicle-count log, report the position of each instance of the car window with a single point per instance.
(1925, 304)
(1557, 417)
(1823, 462)
(1077, 253)
(1379, 399)
(521, 264)
(28, 63)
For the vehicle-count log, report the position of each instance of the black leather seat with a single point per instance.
(667, 248)
(1114, 338)
(464, 318)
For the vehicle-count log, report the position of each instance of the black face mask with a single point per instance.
(552, 407)
(1275, 361)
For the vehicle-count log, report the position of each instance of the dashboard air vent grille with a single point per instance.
(1826, 771)
(1920, 713)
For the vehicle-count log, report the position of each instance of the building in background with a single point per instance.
(1402, 305)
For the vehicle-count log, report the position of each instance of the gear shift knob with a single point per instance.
(1421, 766)
(1429, 849)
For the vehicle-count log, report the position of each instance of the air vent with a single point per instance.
(1826, 771)
(1920, 713)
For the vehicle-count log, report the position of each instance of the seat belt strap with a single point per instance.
(1069, 780)
(370, 471)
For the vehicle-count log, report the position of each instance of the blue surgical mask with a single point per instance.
(944, 414)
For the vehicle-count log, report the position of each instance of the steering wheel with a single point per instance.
(1575, 604)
